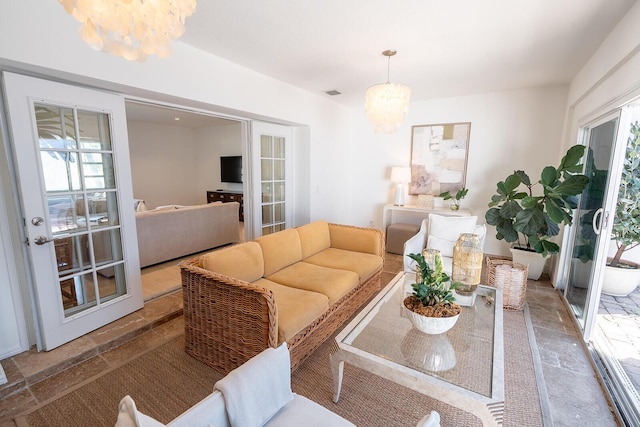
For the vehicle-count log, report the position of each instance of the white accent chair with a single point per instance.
(258, 393)
(441, 232)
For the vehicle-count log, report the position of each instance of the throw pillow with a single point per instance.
(445, 230)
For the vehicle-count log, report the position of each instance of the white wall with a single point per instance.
(163, 164)
(210, 144)
(520, 129)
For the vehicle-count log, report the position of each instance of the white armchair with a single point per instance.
(441, 232)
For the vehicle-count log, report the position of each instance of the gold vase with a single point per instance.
(467, 263)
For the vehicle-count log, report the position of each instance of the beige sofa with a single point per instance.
(176, 231)
(298, 285)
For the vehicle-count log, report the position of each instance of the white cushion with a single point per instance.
(431, 420)
(304, 412)
(129, 416)
(445, 231)
(255, 391)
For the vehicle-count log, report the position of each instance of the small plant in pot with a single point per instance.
(431, 307)
(622, 277)
(455, 199)
(529, 219)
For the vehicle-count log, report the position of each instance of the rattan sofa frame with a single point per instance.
(228, 321)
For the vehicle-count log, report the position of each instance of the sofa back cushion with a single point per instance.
(243, 261)
(280, 250)
(314, 238)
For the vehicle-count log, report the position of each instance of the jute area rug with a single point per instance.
(165, 382)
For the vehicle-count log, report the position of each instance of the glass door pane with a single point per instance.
(589, 217)
(272, 161)
(83, 205)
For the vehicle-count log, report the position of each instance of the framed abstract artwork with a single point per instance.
(439, 157)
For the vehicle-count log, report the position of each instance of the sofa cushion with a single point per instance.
(314, 237)
(280, 250)
(297, 308)
(364, 264)
(331, 282)
(242, 261)
(356, 239)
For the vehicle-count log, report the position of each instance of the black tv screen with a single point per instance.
(231, 169)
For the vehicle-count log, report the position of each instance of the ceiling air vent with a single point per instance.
(333, 92)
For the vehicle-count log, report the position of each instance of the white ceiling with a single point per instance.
(445, 47)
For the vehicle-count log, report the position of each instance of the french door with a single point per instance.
(72, 164)
(272, 178)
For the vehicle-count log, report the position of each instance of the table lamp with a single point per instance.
(400, 175)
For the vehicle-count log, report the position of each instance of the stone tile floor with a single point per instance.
(619, 324)
(566, 377)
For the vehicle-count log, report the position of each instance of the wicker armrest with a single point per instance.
(227, 321)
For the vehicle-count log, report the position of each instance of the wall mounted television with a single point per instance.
(231, 169)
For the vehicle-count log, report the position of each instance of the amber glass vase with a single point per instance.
(467, 263)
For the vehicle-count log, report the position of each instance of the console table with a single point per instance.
(226, 197)
(409, 214)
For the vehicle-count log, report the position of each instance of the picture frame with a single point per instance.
(439, 155)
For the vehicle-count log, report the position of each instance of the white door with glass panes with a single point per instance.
(272, 178)
(72, 161)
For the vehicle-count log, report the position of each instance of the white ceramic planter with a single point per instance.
(534, 260)
(431, 325)
(620, 282)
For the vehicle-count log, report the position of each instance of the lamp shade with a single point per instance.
(400, 174)
(385, 106)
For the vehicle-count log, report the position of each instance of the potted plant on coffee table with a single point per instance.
(528, 220)
(431, 308)
(622, 277)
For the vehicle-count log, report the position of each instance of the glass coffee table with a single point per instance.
(463, 367)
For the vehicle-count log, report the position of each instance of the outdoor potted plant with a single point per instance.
(455, 199)
(529, 220)
(622, 277)
(431, 307)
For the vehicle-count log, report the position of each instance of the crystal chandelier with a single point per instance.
(387, 103)
(132, 29)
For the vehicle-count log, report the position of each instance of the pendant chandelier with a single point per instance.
(387, 103)
(132, 29)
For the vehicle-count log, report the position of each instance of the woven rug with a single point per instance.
(165, 382)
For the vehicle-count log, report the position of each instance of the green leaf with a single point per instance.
(510, 209)
(573, 185)
(511, 183)
(492, 216)
(529, 221)
(524, 178)
(530, 202)
(572, 158)
(549, 176)
(554, 212)
(506, 231)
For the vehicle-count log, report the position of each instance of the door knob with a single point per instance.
(41, 240)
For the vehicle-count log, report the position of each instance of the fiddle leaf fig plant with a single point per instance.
(530, 219)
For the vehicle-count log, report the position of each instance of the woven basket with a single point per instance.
(501, 275)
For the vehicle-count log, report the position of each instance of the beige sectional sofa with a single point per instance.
(176, 231)
(296, 286)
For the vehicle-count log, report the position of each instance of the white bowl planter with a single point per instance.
(431, 325)
(534, 260)
(620, 282)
